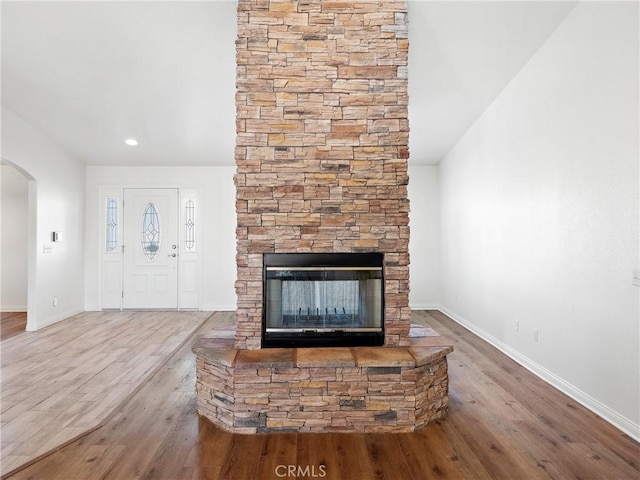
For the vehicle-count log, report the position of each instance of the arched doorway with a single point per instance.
(18, 190)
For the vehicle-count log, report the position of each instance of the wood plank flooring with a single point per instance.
(503, 423)
(12, 324)
(67, 379)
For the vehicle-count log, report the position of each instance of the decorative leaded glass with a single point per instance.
(190, 225)
(150, 236)
(111, 222)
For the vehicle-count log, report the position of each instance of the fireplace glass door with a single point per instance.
(323, 305)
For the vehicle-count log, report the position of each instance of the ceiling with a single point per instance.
(91, 74)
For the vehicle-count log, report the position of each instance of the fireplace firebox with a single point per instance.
(323, 300)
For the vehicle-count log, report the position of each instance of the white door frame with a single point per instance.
(190, 260)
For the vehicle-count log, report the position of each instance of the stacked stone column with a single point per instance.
(322, 143)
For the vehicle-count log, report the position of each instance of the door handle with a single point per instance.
(172, 255)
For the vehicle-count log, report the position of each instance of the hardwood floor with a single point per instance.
(504, 423)
(65, 380)
(12, 324)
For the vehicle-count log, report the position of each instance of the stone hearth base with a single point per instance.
(361, 389)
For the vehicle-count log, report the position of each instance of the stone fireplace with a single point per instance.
(322, 143)
(321, 155)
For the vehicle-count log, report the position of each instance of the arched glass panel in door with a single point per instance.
(151, 233)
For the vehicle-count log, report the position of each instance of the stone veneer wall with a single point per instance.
(322, 143)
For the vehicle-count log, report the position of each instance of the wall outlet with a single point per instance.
(55, 301)
(516, 325)
(535, 335)
(636, 278)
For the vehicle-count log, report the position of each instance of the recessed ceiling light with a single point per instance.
(132, 142)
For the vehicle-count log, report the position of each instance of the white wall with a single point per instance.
(218, 230)
(15, 195)
(58, 194)
(424, 243)
(540, 214)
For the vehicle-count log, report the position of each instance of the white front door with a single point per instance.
(150, 270)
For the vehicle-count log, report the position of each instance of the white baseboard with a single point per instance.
(616, 419)
(13, 308)
(424, 306)
(54, 319)
(218, 308)
(205, 308)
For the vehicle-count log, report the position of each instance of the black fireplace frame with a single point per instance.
(311, 338)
